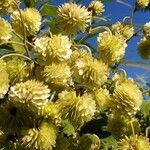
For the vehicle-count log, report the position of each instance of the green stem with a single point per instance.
(15, 54)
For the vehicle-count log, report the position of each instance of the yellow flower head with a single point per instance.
(4, 79)
(102, 99)
(127, 97)
(88, 70)
(30, 93)
(55, 49)
(123, 30)
(142, 3)
(144, 48)
(146, 31)
(120, 125)
(17, 70)
(8, 6)
(96, 7)
(57, 76)
(135, 143)
(31, 19)
(5, 30)
(78, 109)
(72, 18)
(111, 47)
(43, 138)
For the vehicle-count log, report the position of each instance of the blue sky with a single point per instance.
(117, 12)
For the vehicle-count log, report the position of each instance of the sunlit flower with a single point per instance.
(5, 31)
(54, 49)
(96, 7)
(142, 3)
(72, 18)
(146, 31)
(111, 47)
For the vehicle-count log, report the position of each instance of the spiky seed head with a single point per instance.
(31, 24)
(78, 109)
(89, 142)
(4, 79)
(31, 93)
(43, 138)
(102, 99)
(72, 18)
(142, 3)
(134, 142)
(17, 70)
(55, 49)
(5, 30)
(120, 125)
(88, 70)
(146, 31)
(57, 76)
(123, 30)
(127, 97)
(111, 47)
(97, 7)
(8, 6)
(144, 48)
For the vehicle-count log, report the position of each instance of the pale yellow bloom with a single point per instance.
(96, 7)
(72, 18)
(134, 143)
(5, 31)
(31, 19)
(146, 31)
(142, 3)
(111, 47)
(123, 30)
(55, 49)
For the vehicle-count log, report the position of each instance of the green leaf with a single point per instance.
(49, 10)
(109, 143)
(31, 3)
(17, 47)
(145, 109)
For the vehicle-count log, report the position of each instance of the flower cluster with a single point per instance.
(59, 92)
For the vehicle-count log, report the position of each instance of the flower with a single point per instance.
(144, 48)
(102, 99)
(78, 109)
(43, 138)
(127, 97)
(142, 3)
(55, 49)
(17, 70)
(88, 70)
(89, 142)
(111, 47)
(57, 76)
(96, 7)
(4, 79)
(5, 30)
(32, 25)
(146, 30)
(134, 142)
(120, 125)
(72, 18)
(30, 93)
(123, 30)
(8, 6)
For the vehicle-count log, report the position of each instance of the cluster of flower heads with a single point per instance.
(46, 100)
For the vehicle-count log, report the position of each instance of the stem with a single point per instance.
(14, 42)
(93, 31)
(15, 54)
(23, 39)
(133, 131)
(24, 28)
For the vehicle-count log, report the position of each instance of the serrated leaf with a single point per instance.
(49, 10)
